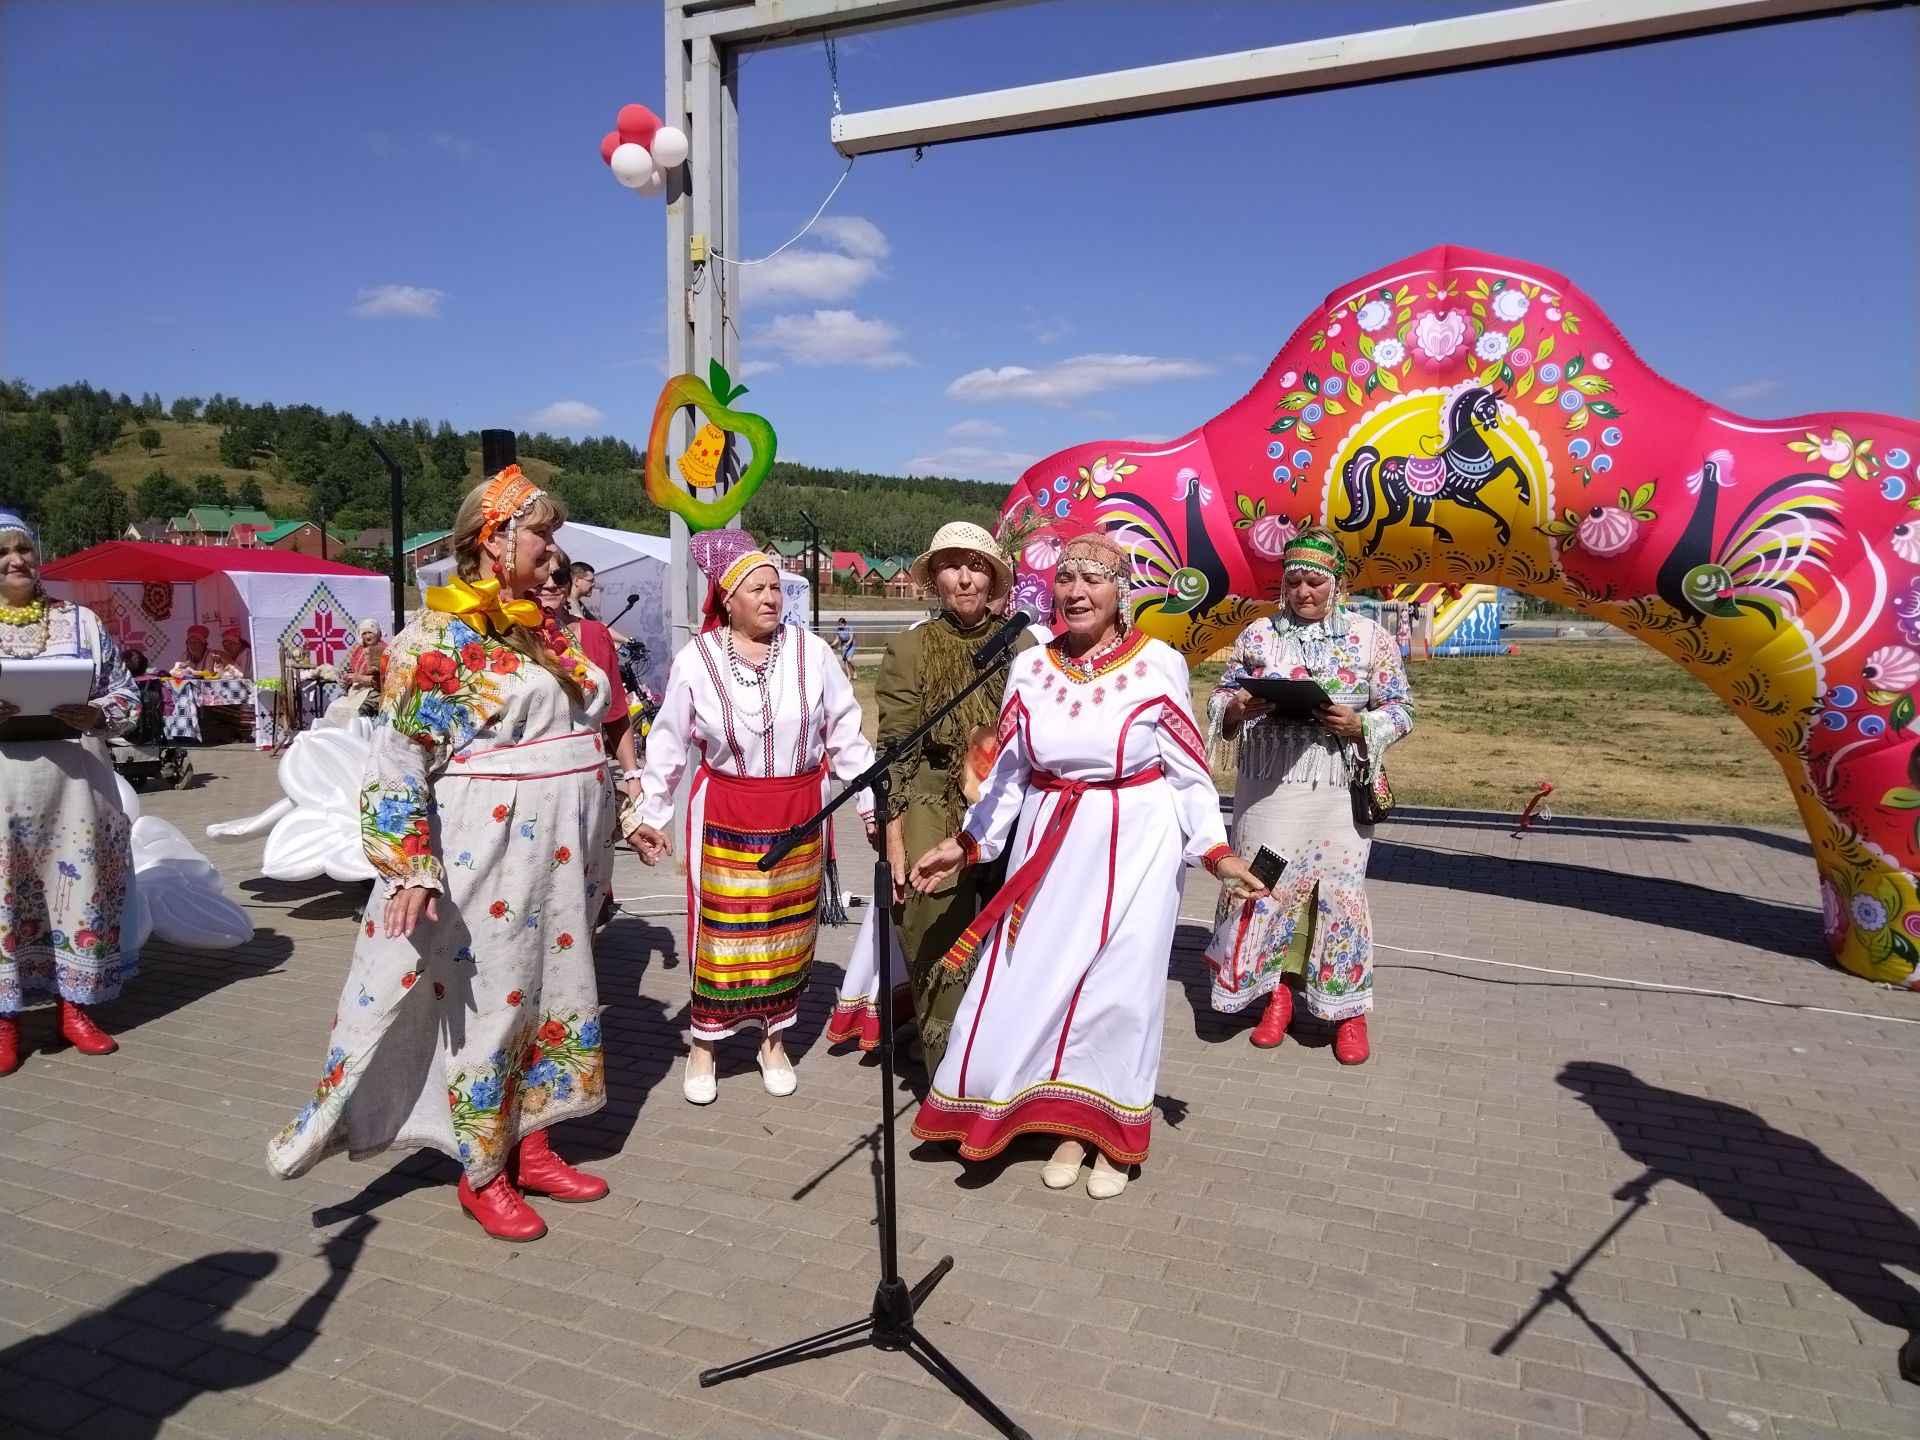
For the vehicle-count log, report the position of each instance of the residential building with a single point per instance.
(298, 537)
(213, 525)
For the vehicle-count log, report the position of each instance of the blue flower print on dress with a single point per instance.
(590, 1034)
(485, 1094)
(544, 1073)
(460, 633)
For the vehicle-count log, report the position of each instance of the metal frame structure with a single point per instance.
(707, 38)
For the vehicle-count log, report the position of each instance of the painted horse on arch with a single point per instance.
(1483, 420)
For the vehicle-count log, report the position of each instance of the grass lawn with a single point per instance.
(1617, 727)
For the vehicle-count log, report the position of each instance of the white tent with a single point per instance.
(629, 565)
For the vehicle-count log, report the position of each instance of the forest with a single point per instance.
(83, 463)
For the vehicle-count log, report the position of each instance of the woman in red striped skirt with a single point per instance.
(764, 714)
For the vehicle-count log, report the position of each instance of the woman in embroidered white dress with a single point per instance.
(1293, 796)
(65, 852)
(470, 1020)
(1103, 769)
(764, 712)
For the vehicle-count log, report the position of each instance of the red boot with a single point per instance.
(1272, 1028)
(1350, 1041)
(77, 1027)
(537, 1169)
(9, 1045)
(500, 1210)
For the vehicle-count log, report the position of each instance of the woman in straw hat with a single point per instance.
(763, 713)
(470, 1020)
(923, 669)
(1294, 795)
(1100, 796)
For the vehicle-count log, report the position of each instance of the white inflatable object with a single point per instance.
(177, 894)
(315, 831)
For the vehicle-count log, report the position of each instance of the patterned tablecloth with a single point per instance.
(181, 701)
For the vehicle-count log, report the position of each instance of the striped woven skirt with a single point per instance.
(753, 929)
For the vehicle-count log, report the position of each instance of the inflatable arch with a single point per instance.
(1464, 418)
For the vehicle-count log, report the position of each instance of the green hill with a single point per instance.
(83, 462)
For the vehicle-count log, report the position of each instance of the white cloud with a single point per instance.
(1749, 392)
(413, 302)
(975, 430)
(1051, 330)
(566, 415)
(1066, 381)
(970, 462)
(834, 337)
(853, 250)
(853, 234)
(749, 369)
(456, 145)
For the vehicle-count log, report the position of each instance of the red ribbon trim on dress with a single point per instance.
(1024, 881)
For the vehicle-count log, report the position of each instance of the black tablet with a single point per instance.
(1292, 699)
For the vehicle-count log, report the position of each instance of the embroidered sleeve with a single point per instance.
(848, 751)
(445, 683)
(114, 695)
(969, 848)
(669, 742)
(1389, 713)
(1247, 658)
(1211, 860)
(990, 820)
(1184, 760)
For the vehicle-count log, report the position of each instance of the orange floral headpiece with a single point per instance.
(505, 500)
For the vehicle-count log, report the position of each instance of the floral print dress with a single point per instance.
(65, 853)
(488, 785)
(1292, 796)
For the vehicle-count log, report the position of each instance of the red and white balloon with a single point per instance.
(640, 150)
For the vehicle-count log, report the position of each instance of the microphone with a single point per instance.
(996, 649)
(633, 599)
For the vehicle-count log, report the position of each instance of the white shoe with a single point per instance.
(778, 1077)
(700, 1089)
(1105, 1182)
(1064, 1168)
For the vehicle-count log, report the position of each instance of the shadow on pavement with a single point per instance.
(127, 1369)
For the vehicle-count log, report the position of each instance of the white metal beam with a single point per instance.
(753, 24)
(1462, 42)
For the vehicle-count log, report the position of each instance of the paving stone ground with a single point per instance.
(1312, 1251)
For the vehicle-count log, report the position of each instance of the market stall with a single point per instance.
(291, 614)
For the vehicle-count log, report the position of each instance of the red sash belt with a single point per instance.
(1023, 882)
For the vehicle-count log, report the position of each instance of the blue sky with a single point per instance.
(202, 198)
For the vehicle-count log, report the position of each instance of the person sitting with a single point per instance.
(196, 659)
(230, 662)
(360, 682)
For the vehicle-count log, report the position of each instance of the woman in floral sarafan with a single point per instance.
(65, 857)
(1294, 796)
(470, 1020)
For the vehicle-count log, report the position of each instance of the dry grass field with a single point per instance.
(1619, 729)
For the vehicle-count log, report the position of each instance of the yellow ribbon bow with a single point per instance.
(482, 597)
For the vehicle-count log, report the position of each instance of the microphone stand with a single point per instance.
(889, 1325)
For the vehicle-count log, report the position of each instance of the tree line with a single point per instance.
(50, 441)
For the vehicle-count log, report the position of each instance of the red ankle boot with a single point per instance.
(537, 1169)
(1272, 1028)
(1350, 1041)
(9, 1045)
(500, 1210)
(77, 1027)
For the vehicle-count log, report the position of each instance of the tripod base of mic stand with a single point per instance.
(889, 1327)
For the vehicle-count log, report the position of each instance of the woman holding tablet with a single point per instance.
(1300, 767)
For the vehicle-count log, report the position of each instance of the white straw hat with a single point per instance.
(967, 536)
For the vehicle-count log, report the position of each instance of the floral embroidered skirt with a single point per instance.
(484, 1025)
(1316, 925)
(65, 870)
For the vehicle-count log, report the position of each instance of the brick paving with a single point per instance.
(1313, 1251)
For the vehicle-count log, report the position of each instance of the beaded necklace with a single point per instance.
(30, 621)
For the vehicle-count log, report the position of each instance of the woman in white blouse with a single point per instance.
(763, 712)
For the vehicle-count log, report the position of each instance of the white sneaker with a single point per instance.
(779, 1077)
(700, 1089)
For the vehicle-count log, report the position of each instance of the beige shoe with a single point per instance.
(1105, 1182)
(1064, 1168)
(777, 1075)
(701, 1089)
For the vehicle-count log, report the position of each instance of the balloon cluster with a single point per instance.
(640, 150)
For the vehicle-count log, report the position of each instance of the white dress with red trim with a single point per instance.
(1102, 784)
